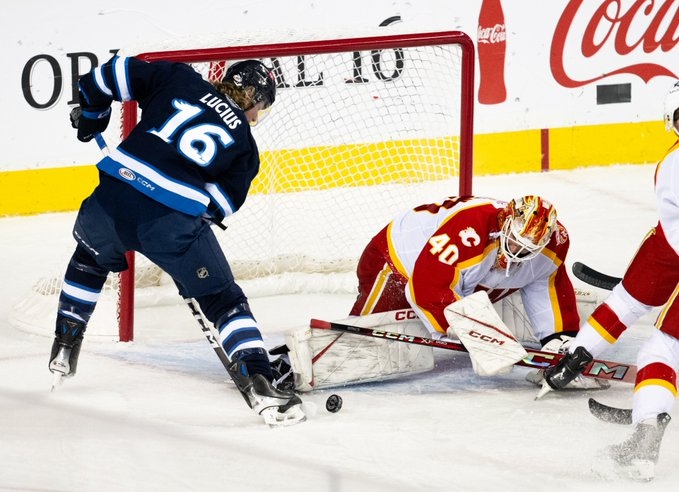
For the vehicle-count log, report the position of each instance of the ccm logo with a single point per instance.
(145, 184)
(408, 314)
(392, 336)
(486, 338)
(601, 368)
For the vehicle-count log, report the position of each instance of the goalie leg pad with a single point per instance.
(323, 358)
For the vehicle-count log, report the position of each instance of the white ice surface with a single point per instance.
(159, 414)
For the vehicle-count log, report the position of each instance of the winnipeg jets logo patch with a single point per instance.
(202, 272)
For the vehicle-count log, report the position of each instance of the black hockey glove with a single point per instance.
(90, 121)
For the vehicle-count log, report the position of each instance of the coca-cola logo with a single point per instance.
(606, 34)
(492, 35)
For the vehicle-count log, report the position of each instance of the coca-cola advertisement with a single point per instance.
(538, 68)
(491, 48)
(615, 40)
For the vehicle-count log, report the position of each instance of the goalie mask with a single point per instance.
(527, 228)
(256, 82)
(671, 114)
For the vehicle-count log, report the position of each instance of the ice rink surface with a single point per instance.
(159, 414)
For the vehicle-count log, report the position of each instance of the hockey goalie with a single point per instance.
(450, 270)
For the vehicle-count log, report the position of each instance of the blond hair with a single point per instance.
(239, 95)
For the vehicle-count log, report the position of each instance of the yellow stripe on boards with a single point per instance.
(319, 168)
(598, 145)
(46, 190)
(62, 189)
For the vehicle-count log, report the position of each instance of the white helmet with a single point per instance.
(671, 106)
(528, 226)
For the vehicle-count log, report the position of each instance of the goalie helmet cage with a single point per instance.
(372, 137)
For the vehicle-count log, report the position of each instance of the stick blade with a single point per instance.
(594, 277)
(606, 413)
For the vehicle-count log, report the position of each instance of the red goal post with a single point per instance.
(427, 139)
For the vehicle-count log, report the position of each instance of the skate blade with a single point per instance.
(543, 391)
(605, 467)
(638, 470)
(57, 380)
(273, 418)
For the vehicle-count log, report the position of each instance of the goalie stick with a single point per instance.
(600, 369)
(594, 277)
(610, 414)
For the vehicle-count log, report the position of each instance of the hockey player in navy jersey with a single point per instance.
(189, 162)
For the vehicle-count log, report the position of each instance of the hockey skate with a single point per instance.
(68, 338)
(276, 407)
(636, 457)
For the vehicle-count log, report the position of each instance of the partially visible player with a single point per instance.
(651, 279)
(189, 162)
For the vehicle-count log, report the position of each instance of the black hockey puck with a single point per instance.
(333, 403)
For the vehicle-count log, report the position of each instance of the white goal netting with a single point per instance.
(361, 129)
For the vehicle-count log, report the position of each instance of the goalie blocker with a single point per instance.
(491, 333)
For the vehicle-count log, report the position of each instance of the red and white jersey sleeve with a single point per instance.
(667, 195)
(448, 251)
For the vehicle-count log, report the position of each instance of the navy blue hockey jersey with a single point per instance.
(192, 150)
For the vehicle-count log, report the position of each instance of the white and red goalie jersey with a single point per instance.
(438, 253)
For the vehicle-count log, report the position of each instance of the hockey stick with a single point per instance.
(594, 277)
(600, 369)
(207, 331)
(610, 414)
(99, 138)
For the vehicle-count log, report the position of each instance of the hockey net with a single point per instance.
(362, 128)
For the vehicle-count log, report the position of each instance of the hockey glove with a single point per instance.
(90, 121)
(568, 368)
